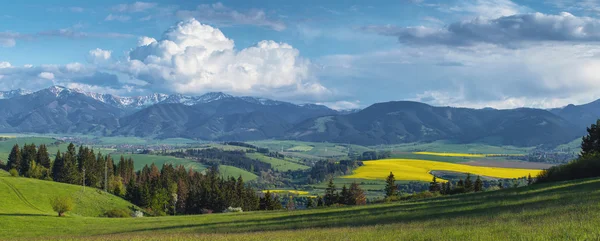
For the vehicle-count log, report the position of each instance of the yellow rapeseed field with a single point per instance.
(287, 191)
(450, 154)
(419, 170)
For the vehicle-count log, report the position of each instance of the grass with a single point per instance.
(296, 192)
(445, 146)
(231, 171)
(419, 170)
(7, 145)
(450, 154)
(25, 196)
(301, 148)
(558, 211)
(3, 173)
(276, 163)
(140, 160)
(318, 150)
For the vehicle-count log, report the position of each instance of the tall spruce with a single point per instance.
(591, 142)
(357, 195)
(330, 193)
(390, 186)
(468, 183)
(14, 158)
(43, 158)
(478, 185)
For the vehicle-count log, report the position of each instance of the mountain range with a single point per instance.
(217, 116)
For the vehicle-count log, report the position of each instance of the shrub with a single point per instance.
(13, 172)
(117, 213)
(61, 205)
(206, 211)
(233, 210)
(137, 214)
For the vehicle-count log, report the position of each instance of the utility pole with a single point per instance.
(106, 175)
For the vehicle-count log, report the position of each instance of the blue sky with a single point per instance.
(345, 54)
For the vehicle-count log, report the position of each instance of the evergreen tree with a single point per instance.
(500, 184)
(320, 202)
(330, 193)
(478, 185)
(529, 180)
(14, 158)
(29, 155)
(345, 197)
(58, 167)
(461, 183)
(468, 183)
(434, 186)
(591, 142)
(43, 158)
(390, 186)
(70, 172)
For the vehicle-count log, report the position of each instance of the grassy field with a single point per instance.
(140, 160)
(276, 163)
(7, 145)
(419, 170)
(31, 197)
(314, 149)
(231, 171)
(559, 211)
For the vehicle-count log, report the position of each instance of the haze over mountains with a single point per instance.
(218, 116)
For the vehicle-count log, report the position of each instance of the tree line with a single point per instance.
(168, 190)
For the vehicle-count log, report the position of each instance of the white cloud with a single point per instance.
(342, 105)
(120, 18)
(486, 8)
(219, 14)
(46, 75)
(98, 55)
(5, 65)
(194, 58)
(134, 7)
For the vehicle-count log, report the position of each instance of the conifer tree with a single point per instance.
(43, 158)
(468, 183)
(14, 158)
(330, 193)
(500, 184)
(529, 180)
(461, 183)
(320, 202)
(478, 185)
(390, 186)
(345, 197)
(434, 186)
(58, 167)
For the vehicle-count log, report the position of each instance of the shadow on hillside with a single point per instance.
(479, 205)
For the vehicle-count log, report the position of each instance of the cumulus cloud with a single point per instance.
(98, 55)
(4, 65)
(134, 7)
(219, 14)
(194, 58)
(511, 31)
(46, 75)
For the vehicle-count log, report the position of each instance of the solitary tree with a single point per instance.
(434, 186)
(390, 186)
(357, 195)
(61, 205)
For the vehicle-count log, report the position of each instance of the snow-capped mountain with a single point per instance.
(13, 93)
(139, 102)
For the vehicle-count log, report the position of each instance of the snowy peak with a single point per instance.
(13, 93)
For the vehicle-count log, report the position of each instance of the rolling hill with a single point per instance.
(31, 197)
(527, 213)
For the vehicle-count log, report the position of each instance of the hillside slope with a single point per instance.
(557, 211)
(26, 196)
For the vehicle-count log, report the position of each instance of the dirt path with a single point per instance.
(20, 195)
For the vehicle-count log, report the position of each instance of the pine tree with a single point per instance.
(468, 183)
(460, 184)
(390, 186)
(330, 193)
(309, 203)
(434, 186)
(345, 197)
(478, 185)
(29, 154)
(320, 202)
(14, 158)
(57, 168)
(500, 184)
(70, 172)
(43, 158)
(529, 180)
